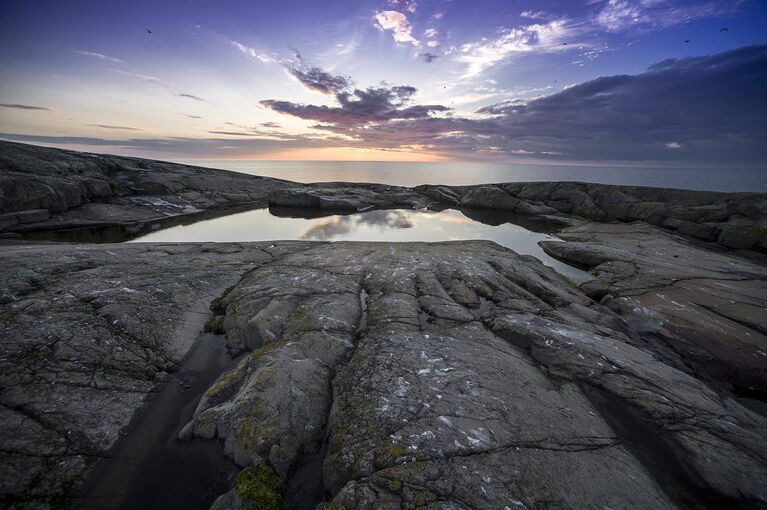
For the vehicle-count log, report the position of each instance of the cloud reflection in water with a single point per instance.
(327, 229)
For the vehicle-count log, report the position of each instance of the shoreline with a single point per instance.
(386, 373)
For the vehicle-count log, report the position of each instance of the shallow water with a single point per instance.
(393, 225)
(149, 468)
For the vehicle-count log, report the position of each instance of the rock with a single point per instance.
(492, 197)
(735, 220)
(347, 197)
(89, 331)
(43, 188)
(702, 310)
(461, 373)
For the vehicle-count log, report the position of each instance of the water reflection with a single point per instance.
(336, 226)
(394, 225)
(519, 233)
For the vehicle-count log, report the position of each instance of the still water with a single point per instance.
(707, 178)
(394, 225)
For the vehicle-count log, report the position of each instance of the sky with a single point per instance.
(389, 80)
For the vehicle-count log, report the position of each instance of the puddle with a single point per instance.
(519, 233)
(392, 225)
(149, 468)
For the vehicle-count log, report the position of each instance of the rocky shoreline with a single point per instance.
(390, 375)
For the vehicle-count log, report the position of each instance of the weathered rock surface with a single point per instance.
(43, 189)
(347, 197)
(87, 333)
(387, 375)
(734, 220)
(703, 310)
(463, 375)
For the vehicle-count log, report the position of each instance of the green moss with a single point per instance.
(260, 488)
(394, 486)
(217, 305)
(215, 325)
(224, 382)
(396, 451)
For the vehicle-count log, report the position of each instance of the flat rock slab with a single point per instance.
(463, 375)
(87, 333)
(702, 309)
(376, 375)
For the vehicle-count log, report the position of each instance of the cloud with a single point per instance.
(192, 116)
(108, 126)
(180, 147)
(398, 24)
(621, 15)
(99, 56)
(317, 79)
(540, 38)
(404, 5)
(26, 107)
(190, 96)
(271, 125)
(676, 102)
(608, 118)
(532, 14)
(633, 117)
(359, 107)
(253, 53)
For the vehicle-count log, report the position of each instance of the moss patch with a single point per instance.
(215, 325)
(217, 306)
(260, 488)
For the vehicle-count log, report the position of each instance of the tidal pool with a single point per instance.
(392, 225)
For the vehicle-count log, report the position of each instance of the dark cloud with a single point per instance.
(375, 104)
(710, 107)
(429, 57)
(26, 107)
(192, 116)
(190, 96)
(698, 108)
(319, 80)
(271, 125)
(108, 126)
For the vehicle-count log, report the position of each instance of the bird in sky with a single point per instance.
(148, 31)
(686, 40)
(724, 29)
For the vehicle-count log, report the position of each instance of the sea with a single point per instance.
(701, 176)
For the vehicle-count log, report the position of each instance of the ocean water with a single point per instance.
(707, 178)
